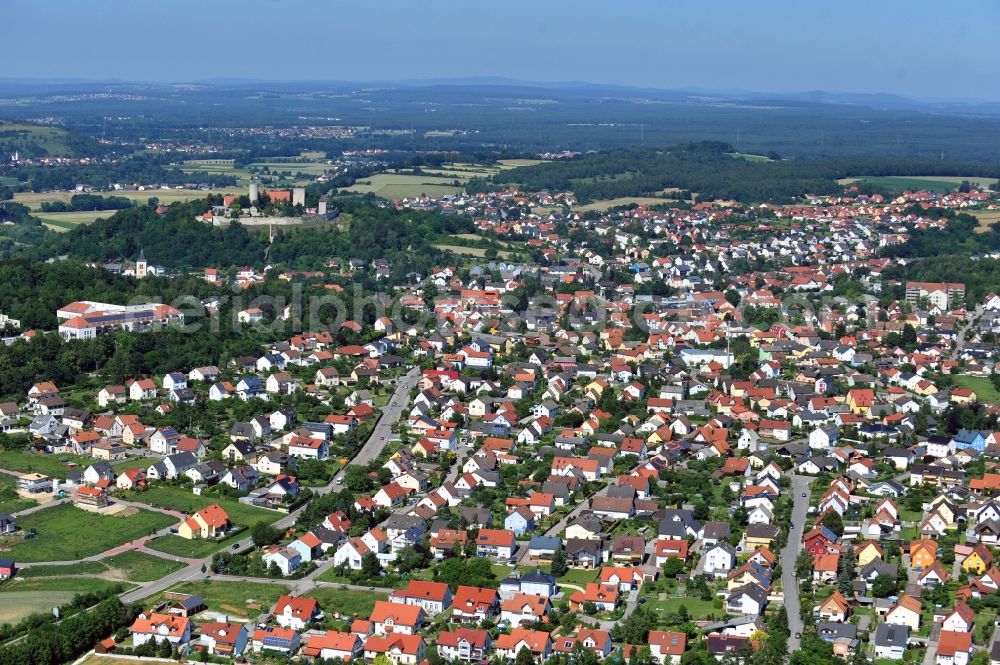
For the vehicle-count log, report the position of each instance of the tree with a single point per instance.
(558, 568)
(264, 534)
(884, 586)
(834, 522)
(673, 567)
(370, 566)
(524, 657)
(474, 572)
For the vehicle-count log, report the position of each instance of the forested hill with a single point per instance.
(713, 171)
(177, 241)
(174, 239)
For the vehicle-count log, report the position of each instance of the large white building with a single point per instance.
(85, 319)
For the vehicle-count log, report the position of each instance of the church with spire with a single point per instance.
(141, 267)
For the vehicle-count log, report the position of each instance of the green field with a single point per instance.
(66, 533)
(50, 465)
(19, 598)
(473, 251)
(346, 602)
(132, 566)
(81, 568)
(622, 201)
(51, 139)
(184, 500)
(191, 549)
(67, 221)
(933, 183)
(10, 501)
(697, 608)
(232, 597)
(985, 391)
(141, 567)
(396, 185)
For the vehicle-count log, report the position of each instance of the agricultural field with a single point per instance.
(60, 527)
(987, 218)
(21, 597)
(478, 252)
(606, 204)
(67, 221)
(397, 185)
(933, 183)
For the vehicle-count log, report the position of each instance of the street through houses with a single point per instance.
(789, 555)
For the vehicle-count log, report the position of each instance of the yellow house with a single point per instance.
(868, 552)
(943, 507)
(860, 400)
(978, 562)
(963, 396)
(756, 539)
(209, 522)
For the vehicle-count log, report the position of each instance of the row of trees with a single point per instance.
(53, 644)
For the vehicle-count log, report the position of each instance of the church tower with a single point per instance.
(140, 265)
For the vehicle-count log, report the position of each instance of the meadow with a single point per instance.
(60, 527)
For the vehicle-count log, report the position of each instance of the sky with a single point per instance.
(917, 48)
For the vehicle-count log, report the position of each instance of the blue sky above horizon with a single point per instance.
(918, 49)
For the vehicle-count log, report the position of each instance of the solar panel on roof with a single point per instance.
(272, 641)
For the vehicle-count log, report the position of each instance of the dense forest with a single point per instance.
(980, 277)
(712, 170)
(959, 236)
(138, 170)
(22, 231)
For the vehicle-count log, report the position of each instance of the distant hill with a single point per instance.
(33, 140)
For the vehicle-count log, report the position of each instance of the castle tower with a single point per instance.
(299, 196)
(140, 265)
(254, 192)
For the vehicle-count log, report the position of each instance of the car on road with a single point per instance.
(798, 636)
(340, 480)
(381, 438)
(236, 546)
(804, 495)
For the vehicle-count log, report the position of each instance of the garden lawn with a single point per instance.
(67, 533)
(578, 577)
(192, 549)
(346, 602)
(697, 608)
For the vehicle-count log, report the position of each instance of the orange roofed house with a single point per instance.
(209, 522)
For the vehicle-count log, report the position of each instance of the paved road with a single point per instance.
(960, 340)
(390, 414)
(789, 554)
(368, 452)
